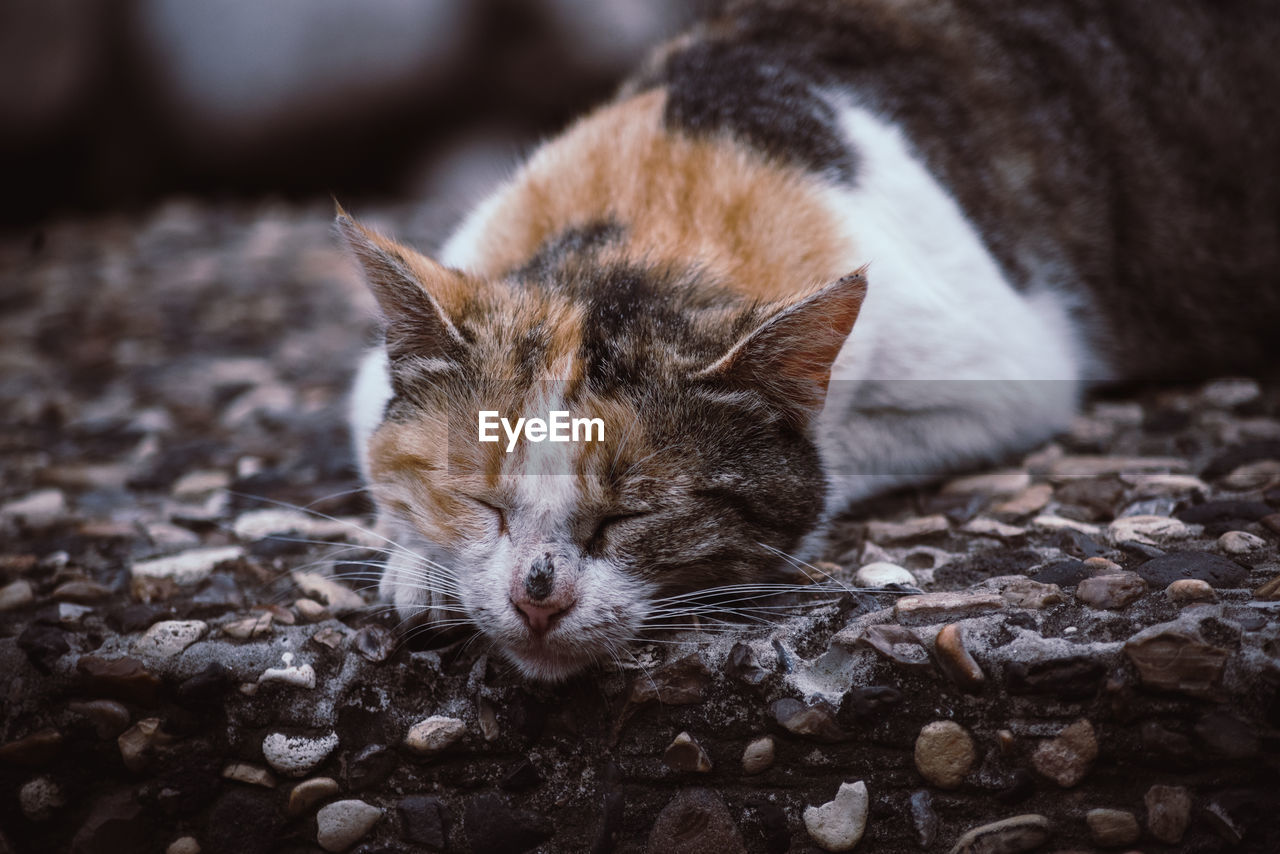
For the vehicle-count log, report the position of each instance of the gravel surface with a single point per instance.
(1080, 650)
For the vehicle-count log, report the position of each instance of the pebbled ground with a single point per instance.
(185, 671)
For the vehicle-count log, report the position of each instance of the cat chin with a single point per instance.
(549, 666)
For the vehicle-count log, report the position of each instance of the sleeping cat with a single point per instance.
(812, 251)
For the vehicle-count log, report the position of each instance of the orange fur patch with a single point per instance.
(758, 225)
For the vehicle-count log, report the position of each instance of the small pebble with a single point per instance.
(956, 660)
(434, 734)
(138, 744)
(16, 594)
(838, 825)
(1111, 591)
(183, 845)
(40, 798)
(170, 637)
(685, 755)
(944, 753)
(1268, 592)
(1025, 593)
(81, 590)
(954, 605)
(310, 611)
(997, 483)
(1168, 812)
(1033, 499)
(341, 824)
(260, 524)
(1187, 590)
(108, 717)
(187, 568)
(40, 509)
(296, 755)
(341, 600)
(1112, 828)
(911, 529)
(985, 527)
(1102, 566)
(923, 818)
(308, 793)
(375, 643)
(881, 574)
(758, 755)
(1241, 543)
(303, 675)
(1258, 474)
(197, 485)
(1009, 836)
(247, 772)
(256, 626)
(1067, 759)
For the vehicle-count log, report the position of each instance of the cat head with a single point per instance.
(706, 471)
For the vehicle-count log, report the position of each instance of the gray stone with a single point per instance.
(838, 825)
(1025, 593)
(39, 509)
(911, 529)
(944, 753)
(923, 818)
(898, 644)
(341, 824)
(40, 798)
(1111, 591)
(16, 594)
(695, 821)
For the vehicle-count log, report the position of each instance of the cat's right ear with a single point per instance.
(413, 293)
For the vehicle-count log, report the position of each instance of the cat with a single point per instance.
(811, 251)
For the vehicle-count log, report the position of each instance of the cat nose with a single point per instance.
(541, 617)
(541, 578)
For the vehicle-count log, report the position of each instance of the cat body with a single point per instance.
(813, 250)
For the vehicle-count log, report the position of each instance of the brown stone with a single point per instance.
(1271, 522)
(814, 721)
(1031, 500)
(39, 748)
(1172, 660)
(1067, 758)
(1112, 828)
(944, 753)
(956, 660)
(248, 772)
(1168, 812)
(1269, 592)
(124, 678)
(685, 755)
(140, 742)
(82, 590)
(1187, 590)
(308, 793)
(1111, 591)
(108, 717)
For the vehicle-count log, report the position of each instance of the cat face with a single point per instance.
(703, 475)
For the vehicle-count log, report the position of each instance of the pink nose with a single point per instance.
(541, 616)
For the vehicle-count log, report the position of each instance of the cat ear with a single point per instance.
(789, 356)
(412, 291)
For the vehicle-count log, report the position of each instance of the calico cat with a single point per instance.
(811, 251)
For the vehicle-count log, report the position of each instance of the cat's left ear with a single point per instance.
(413, 292)
(788, 357)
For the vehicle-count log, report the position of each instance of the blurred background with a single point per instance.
(109, 106)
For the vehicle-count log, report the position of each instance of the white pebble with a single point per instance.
(16, 595)
(188, 567)
(434, 734)
(341, 824)
(295, 755)
(881, 574)
(39, 509)
(838, 825)
(1241, 543)
(170, 637)
(341, 600)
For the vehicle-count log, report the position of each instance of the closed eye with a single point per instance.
(598, 537)
(498, 513)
